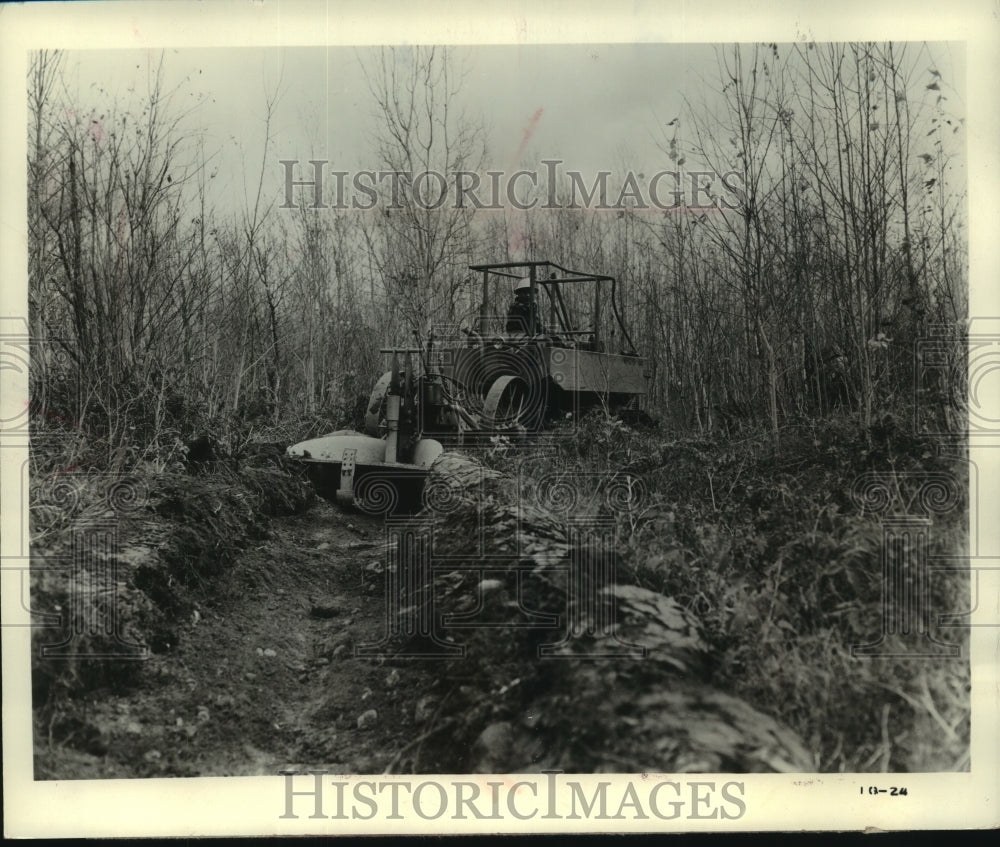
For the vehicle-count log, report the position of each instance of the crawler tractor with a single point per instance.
(547, 343)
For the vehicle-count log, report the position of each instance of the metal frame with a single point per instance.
(568, 277)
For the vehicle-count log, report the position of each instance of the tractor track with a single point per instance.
(263, 679)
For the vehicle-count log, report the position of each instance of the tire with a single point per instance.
(511, 404)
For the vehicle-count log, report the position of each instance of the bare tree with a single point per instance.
(110, 242)
(43, 75)
(420, 242)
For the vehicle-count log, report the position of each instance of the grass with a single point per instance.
(780, 560)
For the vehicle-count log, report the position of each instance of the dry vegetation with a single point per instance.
(766, 573)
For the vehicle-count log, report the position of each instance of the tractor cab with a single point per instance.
(568, 309)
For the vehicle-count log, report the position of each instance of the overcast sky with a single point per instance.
(592, 106)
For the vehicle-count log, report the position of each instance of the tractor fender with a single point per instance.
(330, 448)
(425, 451)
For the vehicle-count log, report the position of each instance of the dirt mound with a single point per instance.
(126, 559)
(577, 696)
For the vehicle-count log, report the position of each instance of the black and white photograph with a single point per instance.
(605, 419)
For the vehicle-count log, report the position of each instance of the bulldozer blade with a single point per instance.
(350, 469)
(330, 448)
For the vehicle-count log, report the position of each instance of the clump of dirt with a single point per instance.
(278, 491)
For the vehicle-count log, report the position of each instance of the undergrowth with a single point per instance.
(780, 557)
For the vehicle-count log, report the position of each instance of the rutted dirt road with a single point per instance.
(263, 677)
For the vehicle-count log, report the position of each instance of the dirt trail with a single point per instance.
(264, 677)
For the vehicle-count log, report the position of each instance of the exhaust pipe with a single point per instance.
(392, 402)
